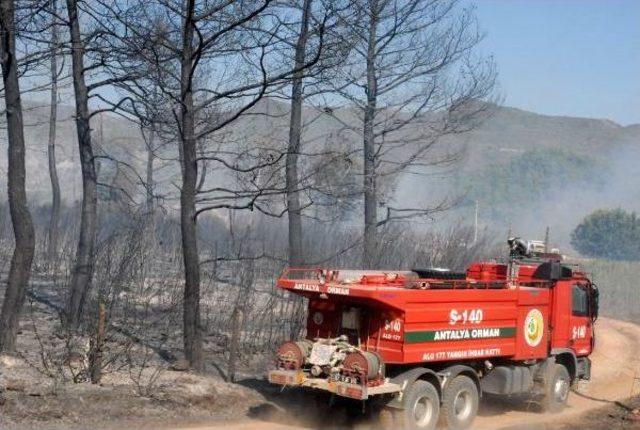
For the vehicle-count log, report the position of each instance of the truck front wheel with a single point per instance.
(460, 403)
(557, 389)
(421, 408)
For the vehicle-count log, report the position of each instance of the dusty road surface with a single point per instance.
(616, 367)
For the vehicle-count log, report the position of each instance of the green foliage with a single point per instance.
(509, 186)
(612, 234)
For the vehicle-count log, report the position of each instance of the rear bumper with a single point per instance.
(353, 391)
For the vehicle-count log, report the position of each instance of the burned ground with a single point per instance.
(155, 396)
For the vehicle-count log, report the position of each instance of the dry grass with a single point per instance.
(619, 283)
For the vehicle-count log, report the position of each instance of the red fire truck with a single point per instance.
(426, 344)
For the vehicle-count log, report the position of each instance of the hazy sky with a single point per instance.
(567, 57)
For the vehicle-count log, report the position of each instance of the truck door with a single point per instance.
(580, 321)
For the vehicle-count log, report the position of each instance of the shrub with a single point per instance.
(612, 234)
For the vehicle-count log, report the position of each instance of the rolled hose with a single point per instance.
(364, 363)
(291, 355)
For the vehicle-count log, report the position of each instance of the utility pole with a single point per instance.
(546, 240)
(475, 228)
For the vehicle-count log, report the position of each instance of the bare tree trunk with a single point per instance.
(150, 185)
(97, 345)
(83, 269)
(150, 222)
(203, 169)
(296, 251)
(234, 346)
(191, 306)
(370, 192)
(20, 269)
(54, 220)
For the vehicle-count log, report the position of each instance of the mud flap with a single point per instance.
(584, 368)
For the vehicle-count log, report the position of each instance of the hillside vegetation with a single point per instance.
(529, 177)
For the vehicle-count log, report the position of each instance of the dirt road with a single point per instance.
(616, 367)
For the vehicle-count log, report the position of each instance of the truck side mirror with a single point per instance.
(594, 301)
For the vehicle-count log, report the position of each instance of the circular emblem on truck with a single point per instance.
(533, 327)
(318, 318)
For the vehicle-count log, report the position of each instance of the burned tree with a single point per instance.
(412, 79)
(296, 251)
(188, 214)
(180, 45)
(306, 83)
(83, 267)
(261, 77)
(54, 220)
(91, 35)
(23, 231)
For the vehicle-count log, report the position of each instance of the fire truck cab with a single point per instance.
(425, 345)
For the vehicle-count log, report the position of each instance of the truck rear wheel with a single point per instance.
(459, 403)
(557, 389)
(421, 408)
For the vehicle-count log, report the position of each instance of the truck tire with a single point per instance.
(460, 402)
(557, 388)
(421, 408)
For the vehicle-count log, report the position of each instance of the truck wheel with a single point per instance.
(421, 408)
(557, 389)
(460, 403)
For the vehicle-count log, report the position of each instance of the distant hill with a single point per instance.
(509, 135)
(511, 131)
(113, 135)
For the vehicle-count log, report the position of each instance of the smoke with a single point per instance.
(613, 182)
(563, 208)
